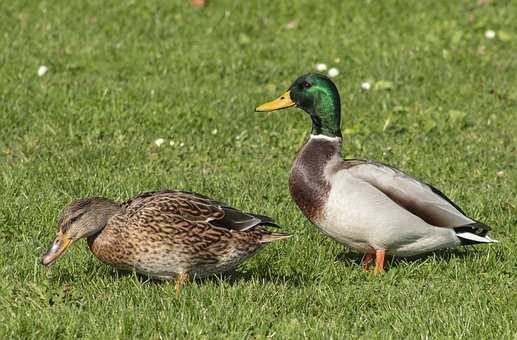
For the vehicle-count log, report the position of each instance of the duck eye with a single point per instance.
(306, 84)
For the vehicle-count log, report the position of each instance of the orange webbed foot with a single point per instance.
(379, 261)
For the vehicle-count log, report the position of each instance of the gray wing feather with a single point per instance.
(419, 198)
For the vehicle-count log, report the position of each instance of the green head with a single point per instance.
(317, 95)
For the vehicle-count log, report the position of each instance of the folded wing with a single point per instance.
(421, 199)
(195, 208)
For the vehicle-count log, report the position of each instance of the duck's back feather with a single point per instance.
(196, 208)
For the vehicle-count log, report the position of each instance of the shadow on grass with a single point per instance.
(393, 261)
(232, 277)
(264, 275)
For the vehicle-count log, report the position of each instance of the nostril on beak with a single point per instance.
(282, 97)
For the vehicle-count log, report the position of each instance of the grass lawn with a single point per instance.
(442, 106)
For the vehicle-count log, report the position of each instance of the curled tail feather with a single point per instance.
(473, 233)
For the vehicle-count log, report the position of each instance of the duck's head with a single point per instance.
(82, 218)
(317, 95)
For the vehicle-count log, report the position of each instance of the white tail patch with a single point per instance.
(476, 238)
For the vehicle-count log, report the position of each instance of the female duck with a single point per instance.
(163, 234)
(368, 206)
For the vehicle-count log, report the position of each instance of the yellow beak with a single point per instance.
(61, 243)
(282, 102)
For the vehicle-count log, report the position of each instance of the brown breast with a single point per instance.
(113, 245)
(307, 183)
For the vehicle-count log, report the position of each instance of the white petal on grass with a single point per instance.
(291, 24)
(490, 34)
(42, 70)
(366, 86)
(159, 141)
(321, 67)
(214, 131)
(333, 72)
(171, 143)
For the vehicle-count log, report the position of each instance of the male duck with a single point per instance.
(368, 206)
(163, 234)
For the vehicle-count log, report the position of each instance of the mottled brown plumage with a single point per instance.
(164, 234)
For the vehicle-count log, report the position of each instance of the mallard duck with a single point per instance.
(368, 206)
(163, 234)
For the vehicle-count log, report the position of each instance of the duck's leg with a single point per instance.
(180, 281)
(198, 3)
(367, 258)
(379, 261)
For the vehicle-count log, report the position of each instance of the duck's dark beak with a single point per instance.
(61, 243)
(282, 102)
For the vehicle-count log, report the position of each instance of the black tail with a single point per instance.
(473, 233)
